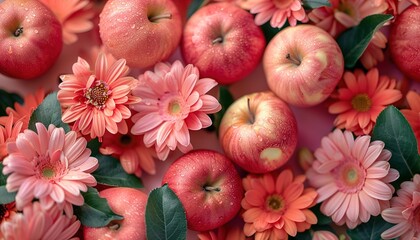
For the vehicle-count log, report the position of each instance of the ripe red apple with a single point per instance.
(303, 65)
(208, 186)
(223, 42)
(403, 44)
(183, 6)
(143, 32)
(258, 132)
(129, 203)
(30, 38)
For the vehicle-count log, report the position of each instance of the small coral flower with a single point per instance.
(352, 177)
(276, 208)
(361, 100)
(413, 114)
(8, 133)
(35, 222)
(51, 166)
(97, 101)
(174, 101)
(404, 212)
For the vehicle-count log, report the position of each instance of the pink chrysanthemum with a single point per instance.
(413, 114)
(362, 99)
(75, 17)
(278, 12)
(277, 208)
(97, 101)
(8, 133)
(404, 212)
(35, 222)
(131, 151)
(352, 177)
(174, 101)
(51, 166)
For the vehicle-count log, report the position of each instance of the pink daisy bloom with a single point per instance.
(131, 151)
(404, 4)
(97, 101)
(75, 17)
(8, 133)
(352, 177)
(35, 222)
(51, 166)
(275, 208)
(278, 12)
(413, 114)
(404, 212)
(174, 101)
(362, 99)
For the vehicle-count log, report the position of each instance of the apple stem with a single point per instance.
(217, 40)
(211, 189)
(18, 32)
(294, 60)
(252, 117)
(161, 16)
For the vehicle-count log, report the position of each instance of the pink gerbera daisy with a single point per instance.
(404, 212)
(97, 101)
(75, 17)
(35, 222)
(51, 166)
(352, 177)
(174, 101)
(8, 133)
(275, 208)
(413, 114)
(362, 99)
(278, 11)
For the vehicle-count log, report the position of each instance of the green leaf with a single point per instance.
(270, 32)
(225, 100)
(5, 196)
(195, 5)
(48, 112)
(95, 212)
(393, 129)
(322, 219)
(111, 173)
(8, 100)
(311, 4)
(354, 41)
(94, 146)
(165, 215)
(370, 230)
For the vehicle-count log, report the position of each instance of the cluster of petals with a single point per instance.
(352, 177)
(36, 222)
(51, 166)
(228, 231)
(174, 101)
(98, 100)
(275, 208)
(8, 133)
(404, 212)
(412, 114)
(361, 100)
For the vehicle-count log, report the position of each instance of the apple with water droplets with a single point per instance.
(258, 132)
(208, 186)
(30, 38)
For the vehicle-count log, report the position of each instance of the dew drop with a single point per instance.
(36, 31)
(231, 203)
(21, 45)
(26, 9)
(133, 26)
(10, 50)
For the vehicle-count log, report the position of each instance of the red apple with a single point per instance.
(30, 38)
(208, 186)
(183, 6)
(303, 65)
(403, 44)
(143, 32)
(223, 42)
(129, 203)
(258, 132)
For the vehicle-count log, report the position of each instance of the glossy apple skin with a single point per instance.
(234, 58)
(129, 203)
(321, 65)
(403, 42)
(260, 137)
(37, 47)
(189, 174)
(127, 32)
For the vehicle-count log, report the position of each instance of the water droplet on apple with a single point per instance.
(10, 50)
(36, 31)
(21, 45)
(221, 202)
(231, 203)
(26, 9)
(133, 26)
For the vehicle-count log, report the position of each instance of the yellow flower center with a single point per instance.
(275, 203)
(174, 108)
(97, 95)
(48, 172)
(361, 102)
(350, 177)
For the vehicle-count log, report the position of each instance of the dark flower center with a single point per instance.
(361, 102)
(275, 203)
(98, 95)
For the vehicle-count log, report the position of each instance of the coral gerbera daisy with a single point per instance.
(35, 222)
(352, 177)
(278, 12)
(8, 133)
(174, 101)
(131, 151)
(404, 212)
(277, 208)
(362, 99)
(75, 16)
(413, 114)
(51, 166)
(97, 101)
